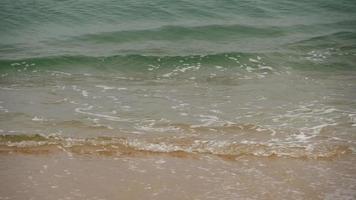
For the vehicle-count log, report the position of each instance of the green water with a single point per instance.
(242, 99)
(108, 28)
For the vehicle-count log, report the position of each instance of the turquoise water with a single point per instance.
(257, 82)
(180, 28)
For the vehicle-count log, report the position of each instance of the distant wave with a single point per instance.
(221, 32)
(175, 33)
(336, 39)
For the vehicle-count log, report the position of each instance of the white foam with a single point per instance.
(215, 111)
(84, 93)
(59, 72)
(302, 137)
(232, 58)
(158, 129)
(107, 117)
(207, 120)
(317, 129)
(167, 75)
(152, 67)
(184, 69)
(15, 64)
(265, 67)
(38, 119)
(318, 56)
(253, 60)
(105, 87)
(160, 147)
(330, 110)
(249, 69)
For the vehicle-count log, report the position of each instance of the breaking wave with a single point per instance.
(182, 147)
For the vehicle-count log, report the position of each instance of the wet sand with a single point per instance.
(67, 176)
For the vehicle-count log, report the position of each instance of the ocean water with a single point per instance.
(230, 99)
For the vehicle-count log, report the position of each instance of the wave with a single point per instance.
(183, 147)
(176, 33)
(131, 61)
(215, 32)
(341, 58)
(335, 39)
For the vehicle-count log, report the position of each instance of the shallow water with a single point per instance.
(162, 177)
(241, 99)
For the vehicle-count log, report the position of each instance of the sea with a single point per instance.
(185, 99)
